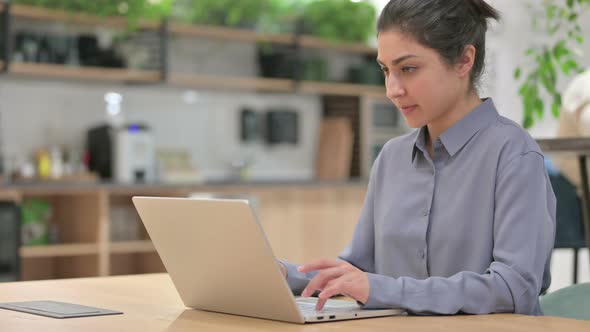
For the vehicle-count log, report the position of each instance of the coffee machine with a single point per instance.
(124, 154)
(135, 154)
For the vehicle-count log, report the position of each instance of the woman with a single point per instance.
(459, 215)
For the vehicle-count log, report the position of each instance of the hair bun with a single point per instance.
(484, 10)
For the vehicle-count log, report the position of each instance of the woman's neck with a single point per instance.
(458, 111)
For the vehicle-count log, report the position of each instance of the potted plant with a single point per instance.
(340, 20)
(232, 13)
(557, 55)
(133, 10)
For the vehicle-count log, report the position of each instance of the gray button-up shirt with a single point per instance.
(469, 231)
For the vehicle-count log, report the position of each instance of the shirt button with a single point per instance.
(426, 212)
(422, 254)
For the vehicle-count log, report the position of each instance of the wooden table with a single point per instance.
(580, 148)
(150, 303)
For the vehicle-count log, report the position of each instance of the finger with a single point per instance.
(321, 279)
(319, 264)
(333, 289)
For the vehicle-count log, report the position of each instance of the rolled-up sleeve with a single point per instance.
(523, 230)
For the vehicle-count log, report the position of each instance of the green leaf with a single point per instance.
(523, 90)
(554, 29)
(580, 39)
(527, 121)
(517, 73)
(530, 51)
(539, 107)
(560, 50)
(570, 3)
(568, 66)
(557, 98)
(563, 13)
(555, 109)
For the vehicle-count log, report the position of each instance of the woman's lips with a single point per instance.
(408, 109)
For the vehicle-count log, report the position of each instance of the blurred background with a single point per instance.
(277, 101)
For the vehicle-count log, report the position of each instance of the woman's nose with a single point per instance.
(394, 87)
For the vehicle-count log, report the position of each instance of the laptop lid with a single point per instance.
(218, 257)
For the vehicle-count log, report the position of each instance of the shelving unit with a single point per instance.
(43, 14)
(341, 89)
(183, 79)
(319, 43)
(380, 122)
(288, 214)
(59, 250)
(129, 247)
(44, 70)
(234, 83)
(223, 33)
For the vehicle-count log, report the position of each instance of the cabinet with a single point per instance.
(380, 122)
(302, 222)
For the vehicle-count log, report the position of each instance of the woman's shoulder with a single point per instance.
(511, 135)
(510, 141)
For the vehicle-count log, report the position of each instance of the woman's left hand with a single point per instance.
(335, 277)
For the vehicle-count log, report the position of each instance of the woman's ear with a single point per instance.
(466, 60)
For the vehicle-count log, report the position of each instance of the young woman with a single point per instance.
(459, 215)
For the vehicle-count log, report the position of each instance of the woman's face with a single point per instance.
(422, 86)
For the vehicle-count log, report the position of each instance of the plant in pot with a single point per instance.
(556, 56)
(232, 13)
(340, 20)
(133, 10)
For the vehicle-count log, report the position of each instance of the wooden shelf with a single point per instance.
(84, 73)
(130, 247)
(225, 33)
(10, 196)
(59, 250)
(44, 14)
(342, 89)
(232, 83)
(319, 43)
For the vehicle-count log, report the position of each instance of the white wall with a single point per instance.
(41, 113)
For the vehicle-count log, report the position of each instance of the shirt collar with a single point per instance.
(454, 138)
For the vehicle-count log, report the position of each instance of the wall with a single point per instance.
(40, 113)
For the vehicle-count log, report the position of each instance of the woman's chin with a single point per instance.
(414, 123)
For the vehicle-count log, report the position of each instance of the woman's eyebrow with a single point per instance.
(400, 59)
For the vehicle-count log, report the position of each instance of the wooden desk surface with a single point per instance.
(150, 303)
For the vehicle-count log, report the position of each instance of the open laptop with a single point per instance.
(219, 260)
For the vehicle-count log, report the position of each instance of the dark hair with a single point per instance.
(447, 26)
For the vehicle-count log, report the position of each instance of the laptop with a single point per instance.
(219, 260)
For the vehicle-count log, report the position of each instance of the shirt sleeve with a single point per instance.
(524, 231)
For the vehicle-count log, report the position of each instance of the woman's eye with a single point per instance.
(384, 70)
(408, 69)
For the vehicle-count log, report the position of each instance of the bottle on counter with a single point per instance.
(43, 164)
(57, 164)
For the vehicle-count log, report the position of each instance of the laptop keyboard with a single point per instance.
(307, 306)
